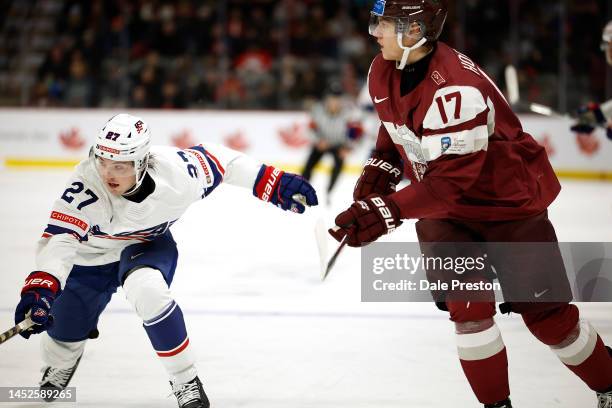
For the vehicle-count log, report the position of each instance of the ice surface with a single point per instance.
(267, 332)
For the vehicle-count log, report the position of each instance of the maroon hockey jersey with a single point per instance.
(462, 146)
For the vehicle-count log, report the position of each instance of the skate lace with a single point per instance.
(186, 392)
(56, 376)
(604, 400)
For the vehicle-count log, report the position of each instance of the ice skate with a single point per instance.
(57, 378)
(604, 399)
(502, 404)
(191, 394)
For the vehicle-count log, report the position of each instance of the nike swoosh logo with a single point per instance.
(376, 100)
(538, 294)
(136, 256)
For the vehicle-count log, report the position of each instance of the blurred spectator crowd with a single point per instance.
(265, 54)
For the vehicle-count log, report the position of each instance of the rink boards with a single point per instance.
(62, 137)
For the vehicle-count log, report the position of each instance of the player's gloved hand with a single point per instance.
(367, 220)
(589, 117)
(380, 175)
(285, 190)
(37, 296)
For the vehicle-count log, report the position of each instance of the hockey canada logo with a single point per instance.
(184, 139)
(72, 139)
(446, 143)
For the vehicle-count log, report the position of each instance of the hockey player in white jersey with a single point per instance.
(594, 114)
(110, 228)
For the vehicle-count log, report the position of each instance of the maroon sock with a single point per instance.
(488, 377)
(596, 370)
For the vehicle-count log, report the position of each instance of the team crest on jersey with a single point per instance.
(438, 78)
(446, 143)
(379, 7)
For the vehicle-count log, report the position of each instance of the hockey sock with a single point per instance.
(485, 363)
(587, 357)
(575, 342)
(60, 354)
(163, 321)
(168, 336)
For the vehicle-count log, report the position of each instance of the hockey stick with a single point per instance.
(321, 238)
(24, 325)
(320, 231)
(332, 260)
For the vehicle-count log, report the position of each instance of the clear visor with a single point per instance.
(389, 27)
(114, 169)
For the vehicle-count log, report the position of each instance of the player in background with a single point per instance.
(369, 118)
(110, 228)
(334, 128)
(476, 176)
(594, 114)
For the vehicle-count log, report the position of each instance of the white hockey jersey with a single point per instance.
(89, 226)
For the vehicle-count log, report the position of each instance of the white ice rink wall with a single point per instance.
(61, 137)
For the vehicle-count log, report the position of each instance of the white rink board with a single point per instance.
(37, 134)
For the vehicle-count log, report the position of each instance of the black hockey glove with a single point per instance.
(589, 117)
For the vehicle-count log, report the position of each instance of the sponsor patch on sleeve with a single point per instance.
(62, 219)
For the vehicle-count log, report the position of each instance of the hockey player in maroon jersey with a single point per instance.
(594, 114)
(476, 176)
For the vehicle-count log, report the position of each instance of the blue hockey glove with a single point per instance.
(285, 190)
(37, 296)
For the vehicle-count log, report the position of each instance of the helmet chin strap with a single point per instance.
(407, 50)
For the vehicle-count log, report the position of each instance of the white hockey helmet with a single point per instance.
(125, 138)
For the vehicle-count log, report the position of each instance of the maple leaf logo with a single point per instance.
(72, 139)
(294, 136)
(587, 144)
(546, 143)
(237, 141)
(184, 139)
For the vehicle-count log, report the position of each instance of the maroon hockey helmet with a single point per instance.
(429, 14)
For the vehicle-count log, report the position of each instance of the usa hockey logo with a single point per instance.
(379, 7)
(138, 125)
(446, 143)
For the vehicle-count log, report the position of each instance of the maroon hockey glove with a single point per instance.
(367, 220)
(380, 175)
(37, 296)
